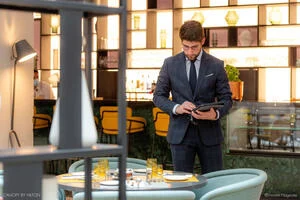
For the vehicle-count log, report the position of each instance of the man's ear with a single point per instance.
(203, 41)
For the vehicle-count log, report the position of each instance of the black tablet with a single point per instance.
(207, 106)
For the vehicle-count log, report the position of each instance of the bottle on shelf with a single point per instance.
(163, 38)
(214, 39)
(136, 21)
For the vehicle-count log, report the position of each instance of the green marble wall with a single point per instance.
(283, 173)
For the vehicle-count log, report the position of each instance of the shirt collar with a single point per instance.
(198, 57)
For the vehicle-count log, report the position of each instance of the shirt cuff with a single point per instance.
(174, 109)
(218, 114)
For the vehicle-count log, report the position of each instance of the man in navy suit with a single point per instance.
(189, 139)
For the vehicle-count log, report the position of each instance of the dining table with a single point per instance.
(171, 180)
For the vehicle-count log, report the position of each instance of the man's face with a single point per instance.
(192, 49)
(36, 75)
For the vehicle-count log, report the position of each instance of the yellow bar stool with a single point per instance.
(161, 124)
(109, 123)
(40, 120)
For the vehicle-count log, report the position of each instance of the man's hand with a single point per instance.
(208, 115)
(186, 107)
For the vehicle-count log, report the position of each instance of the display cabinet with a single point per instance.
(264, 127)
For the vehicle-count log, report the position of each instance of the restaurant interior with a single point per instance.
(85, 95)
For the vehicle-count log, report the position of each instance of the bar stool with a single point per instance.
(109, 124)
(161, 124)
(40, 120)
(41, 126)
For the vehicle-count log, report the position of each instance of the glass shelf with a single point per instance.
(279, 35)
(253, 57)
(147, 58)
(247, 2)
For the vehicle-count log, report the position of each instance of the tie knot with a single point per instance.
(193, 61)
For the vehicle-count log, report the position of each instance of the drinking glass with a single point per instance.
(149, 170)
(160, 172)
(102, 168)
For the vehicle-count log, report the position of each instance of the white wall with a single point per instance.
(16, 25)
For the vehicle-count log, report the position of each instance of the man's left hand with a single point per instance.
(207, 115)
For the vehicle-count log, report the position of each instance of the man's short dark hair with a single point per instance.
(191, 30)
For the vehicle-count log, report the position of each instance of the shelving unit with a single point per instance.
(49, 67)
(25, 164)
(264, 38)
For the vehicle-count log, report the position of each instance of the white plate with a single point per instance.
(72, 177)
(176, 177)
(140, 170)
(110, 183)
(81, 173)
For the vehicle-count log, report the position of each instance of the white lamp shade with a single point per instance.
(89, 133)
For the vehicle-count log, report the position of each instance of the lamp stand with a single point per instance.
(13, 133)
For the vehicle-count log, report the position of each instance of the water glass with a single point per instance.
(159, 172)
(102, 168)
(150, 163)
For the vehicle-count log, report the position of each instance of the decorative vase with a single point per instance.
(245, 38)
(237, 89)
(136, 21)
(275, 16)
(89, 133)
(198, 16)
(231, 18)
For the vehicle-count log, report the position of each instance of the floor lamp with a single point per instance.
(21, 51)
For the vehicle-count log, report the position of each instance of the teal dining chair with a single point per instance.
(61, 194)
(232, 184)
(1, 182)
(140, 195)
(133, 163)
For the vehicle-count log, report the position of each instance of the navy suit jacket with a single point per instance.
(212, 85)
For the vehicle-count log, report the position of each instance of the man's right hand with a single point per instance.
(186, 107)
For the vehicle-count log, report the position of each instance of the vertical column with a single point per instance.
(70, 93)
(88, 51)
(122, 138)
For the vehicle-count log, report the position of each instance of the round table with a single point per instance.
(77, 185)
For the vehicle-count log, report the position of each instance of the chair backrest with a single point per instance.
(112, 112)
(161, 121)
(1, 182)
(40, 120)
(109, 118)
(140, 195)
(133, 163)
(232, 184)
(61, 194)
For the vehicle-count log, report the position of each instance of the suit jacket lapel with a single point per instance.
(202, 71)
(181, 68)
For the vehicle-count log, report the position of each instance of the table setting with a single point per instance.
(152, 177)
